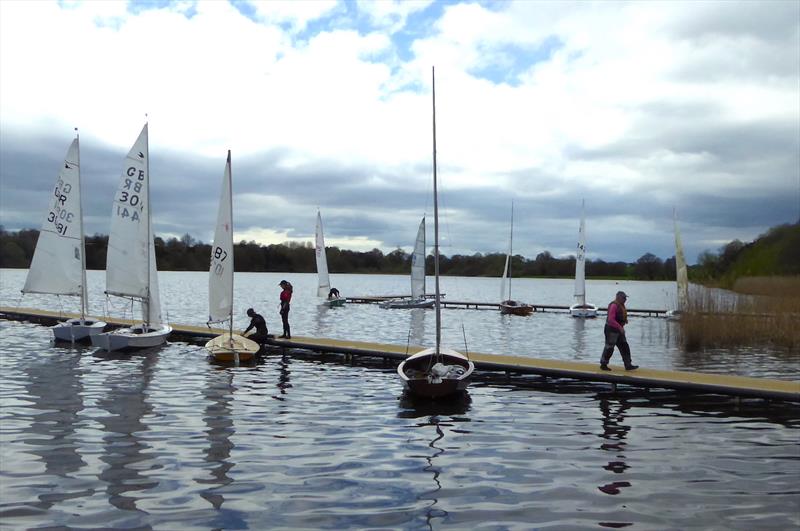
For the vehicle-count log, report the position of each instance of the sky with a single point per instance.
(635, 108)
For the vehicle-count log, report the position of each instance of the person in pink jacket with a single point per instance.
(614, 330)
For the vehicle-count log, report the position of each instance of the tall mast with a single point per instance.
(149, 229)
(436, 222)
(230, 209)
(84, 289)
(510, 249)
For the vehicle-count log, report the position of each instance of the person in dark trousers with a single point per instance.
(614, 330)
(286, 299)
(261, 333)
(333, 294)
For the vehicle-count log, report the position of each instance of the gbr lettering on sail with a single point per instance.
(61, 215)
(129, 203)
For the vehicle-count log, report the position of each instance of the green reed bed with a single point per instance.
(759, 311)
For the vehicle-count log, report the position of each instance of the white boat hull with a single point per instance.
(407, 303)
(132, 338)
(586, 311)
(673, 315)
(415, 381)
(76, 329)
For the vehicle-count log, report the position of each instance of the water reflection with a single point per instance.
(284, 377)
(416, 326)
(615, 431)
(579, 338)
(53, 429)
(218, 393)
(126, 402)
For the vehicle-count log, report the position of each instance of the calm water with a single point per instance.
(165, 440)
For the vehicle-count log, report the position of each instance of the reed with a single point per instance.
(762, 311)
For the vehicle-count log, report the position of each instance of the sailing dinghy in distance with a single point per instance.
(332, 299)
(581, 308)
(228, 346)
(58, 266)
(509, 306)
(681, 274)
(435, 372)
(131, 260)
(417, 299)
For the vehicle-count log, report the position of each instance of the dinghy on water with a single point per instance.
(332, 297)
(58, 266)
(228, 347)
(509, 306)
(435, 372)
(681, 274)
(131, 259)
(417, 299)
(581, 308)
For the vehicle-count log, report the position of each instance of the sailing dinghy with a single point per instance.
(58, 266)
(131, 260)
(417, 299)
(509, 306)
(581, 308)
(228, 346)
(332, 298)
(681, 274)
(435, 372)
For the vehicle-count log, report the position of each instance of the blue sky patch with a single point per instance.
(505, 63)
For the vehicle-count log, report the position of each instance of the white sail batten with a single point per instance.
(580, 262)
(681, 271)
(56, 267)
(418, 264)
(220, 278)
(323, 279)
(130, 264)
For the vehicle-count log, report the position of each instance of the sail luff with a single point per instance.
(84, 287)
(221, 269)
(323, 278)
(56, 264)
(418, 264)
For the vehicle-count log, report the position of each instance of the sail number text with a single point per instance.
(129, 203)
(59, 215)
(219, 256)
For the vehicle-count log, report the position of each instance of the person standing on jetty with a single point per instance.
(614, 330)
(286, 298)
(258, 322)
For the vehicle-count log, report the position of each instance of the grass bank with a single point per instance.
(760, 311)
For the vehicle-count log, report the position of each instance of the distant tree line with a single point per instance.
(188, 254)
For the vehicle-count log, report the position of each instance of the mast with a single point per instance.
(149, 231)
(436, 222)
(230, 209)
(510, 249)
(84, 289)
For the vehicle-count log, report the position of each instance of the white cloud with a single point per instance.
(296, 13)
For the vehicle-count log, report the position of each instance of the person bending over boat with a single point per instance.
(614, 330)
(258, 323)
(286, 298)
(333, 294)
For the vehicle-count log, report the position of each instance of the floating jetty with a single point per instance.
(739, 386)
(469, 305)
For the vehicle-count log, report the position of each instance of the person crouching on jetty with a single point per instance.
(258, 322)
(286, 298)
(614, 330)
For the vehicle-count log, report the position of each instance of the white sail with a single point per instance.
(324, 283)
(504, 280)
(220, 275)
(680, 268)
(580, 263)
(130, 265)
(418, 264)
(56, 267)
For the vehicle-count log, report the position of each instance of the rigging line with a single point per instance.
(464, 332)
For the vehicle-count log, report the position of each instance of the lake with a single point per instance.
(163, 439)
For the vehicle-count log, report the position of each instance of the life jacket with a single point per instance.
(622, 312)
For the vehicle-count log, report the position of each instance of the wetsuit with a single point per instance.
(614, 330)
(258, 322)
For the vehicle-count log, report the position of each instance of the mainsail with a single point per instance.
(680, 267)
(131, 261)
(418, 264)
(56, 267)
(220, 277)
(580, 262)
(324, 283)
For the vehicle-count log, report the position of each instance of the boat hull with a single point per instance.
(583, 311)
(419, 384)
(225, 348)
(407, 303)
(73, 330)
(131, 338)
(673, 315)
(334, 303)
(515, 308)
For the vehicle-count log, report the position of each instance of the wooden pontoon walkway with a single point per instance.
(469, 305)
(740, 386)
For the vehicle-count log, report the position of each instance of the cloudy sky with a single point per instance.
(634, 107)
